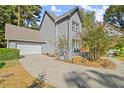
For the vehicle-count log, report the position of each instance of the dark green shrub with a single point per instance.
(9, 53)
(2, 64)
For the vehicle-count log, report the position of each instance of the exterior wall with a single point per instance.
(11, 44)
(26, 47)
(63, 28)
(75, 17)
(48, 34)
(51, 32)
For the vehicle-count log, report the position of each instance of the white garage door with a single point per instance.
(29, 49)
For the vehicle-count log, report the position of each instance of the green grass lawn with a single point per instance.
(8, 63)
(120, 55)
(120, 58)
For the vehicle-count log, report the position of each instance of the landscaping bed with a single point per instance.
(101, 63)
(13, 75)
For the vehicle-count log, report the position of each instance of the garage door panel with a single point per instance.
(29, 49)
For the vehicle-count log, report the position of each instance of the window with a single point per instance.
(75, 26)
(75, 43)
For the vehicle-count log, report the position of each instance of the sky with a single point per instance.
(61, 9)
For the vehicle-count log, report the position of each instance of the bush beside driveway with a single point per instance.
(9, 53)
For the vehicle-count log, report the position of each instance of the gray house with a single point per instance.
(44, 41)
(53, 27)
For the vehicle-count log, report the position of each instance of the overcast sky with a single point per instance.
(61, 9)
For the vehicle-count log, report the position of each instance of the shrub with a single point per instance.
(76, 59)
(9, 53)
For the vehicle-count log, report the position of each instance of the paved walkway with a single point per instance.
(65, 75)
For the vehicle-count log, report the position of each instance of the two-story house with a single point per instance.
(44, 41)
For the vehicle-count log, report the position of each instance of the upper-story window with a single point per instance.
(75, 26)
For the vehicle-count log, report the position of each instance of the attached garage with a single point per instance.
(29, 49)
(28, 41)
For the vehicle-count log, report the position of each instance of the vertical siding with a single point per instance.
(63, 28)
(48, 35)
(74, 17)
(11, 44)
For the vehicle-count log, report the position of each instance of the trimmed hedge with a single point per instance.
(9, 53)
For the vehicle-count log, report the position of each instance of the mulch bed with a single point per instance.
(101, 63)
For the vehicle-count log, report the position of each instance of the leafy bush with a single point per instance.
(9, 53)
(2, 64)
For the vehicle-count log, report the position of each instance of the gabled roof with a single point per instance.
(18, 33)
(56, 18)
(70, 13)
(52, 14)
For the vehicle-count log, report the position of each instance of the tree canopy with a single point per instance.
(114, 15)
(93, 36)
(29, 15)
(22, 15)
(88, 19)
(96, 40)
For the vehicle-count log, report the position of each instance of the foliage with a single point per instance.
(62, 45)
(88, 19)
(114, 15)
(120, 43)
(2, 39)
(9, 53)
(2, 64)
(25, 16)
(96, 40)
(120, 46)
(29, 15)
(62, 42)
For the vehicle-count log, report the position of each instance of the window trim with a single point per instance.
(75, 26)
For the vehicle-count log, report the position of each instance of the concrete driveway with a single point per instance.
(65, 75)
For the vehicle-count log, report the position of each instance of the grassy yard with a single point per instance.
(13, 75)
(120, 57)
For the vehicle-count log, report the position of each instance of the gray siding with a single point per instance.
(11, 44)
(63, 28)
(26, 47)
(48, 34)
(74, 17)
(51, 32)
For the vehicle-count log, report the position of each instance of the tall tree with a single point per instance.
(88, 18)
(23, 15)
(114, 15)
(96, 40)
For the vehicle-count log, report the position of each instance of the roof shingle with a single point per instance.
(13, 32)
